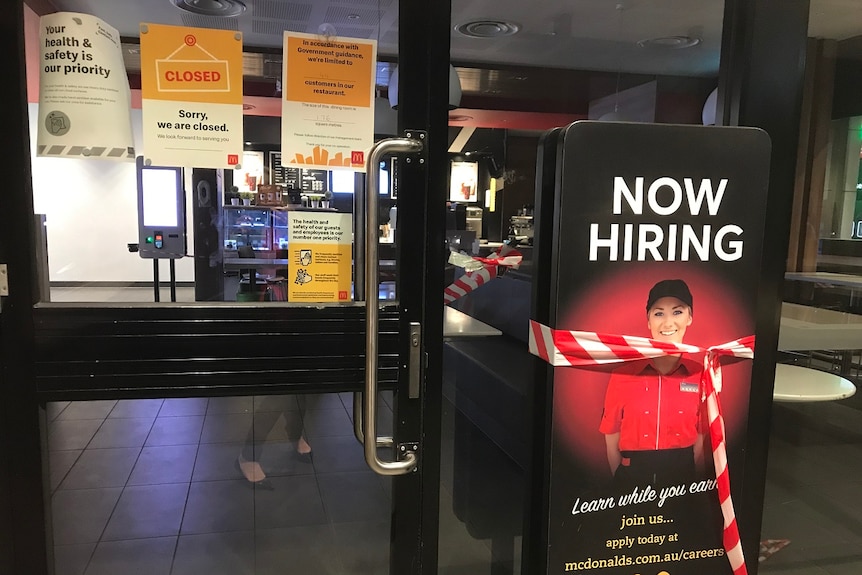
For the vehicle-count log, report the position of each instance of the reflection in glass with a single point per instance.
(154, 486)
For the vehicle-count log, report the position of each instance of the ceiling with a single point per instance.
(566, 44)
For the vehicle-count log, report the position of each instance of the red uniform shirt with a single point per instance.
(651, 410)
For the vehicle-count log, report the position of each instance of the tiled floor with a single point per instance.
(151, 487)
(814, 488)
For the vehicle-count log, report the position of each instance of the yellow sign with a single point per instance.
(191, 85)
(191, 64)
(327, 112)
(319, 256)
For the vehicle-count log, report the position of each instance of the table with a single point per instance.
(459, 324)
(831, 278)
(805, 328)
(794, 383)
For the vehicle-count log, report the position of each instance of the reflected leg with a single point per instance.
(295, 432)
(250, 469)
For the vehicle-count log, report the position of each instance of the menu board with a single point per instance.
(284, 176)
(290, 177)
(313, 180)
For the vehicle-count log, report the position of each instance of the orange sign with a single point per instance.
(320, 157)
(329, 71)
(191, 64)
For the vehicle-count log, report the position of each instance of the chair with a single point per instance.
(249, 288)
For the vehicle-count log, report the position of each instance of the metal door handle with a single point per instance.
(369, 403)
(358, 423)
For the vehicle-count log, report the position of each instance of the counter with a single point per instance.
(459, 324)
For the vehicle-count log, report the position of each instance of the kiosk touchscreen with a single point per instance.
(161, 212)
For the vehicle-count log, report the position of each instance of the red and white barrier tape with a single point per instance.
(507, 257)
(468, 282)
(581, 348)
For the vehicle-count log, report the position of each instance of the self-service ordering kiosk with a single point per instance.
(161, 212)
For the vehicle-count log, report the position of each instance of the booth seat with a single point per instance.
(488, 381)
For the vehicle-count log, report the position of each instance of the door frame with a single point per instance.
(423, 44)
(22, 523)
(26, 326)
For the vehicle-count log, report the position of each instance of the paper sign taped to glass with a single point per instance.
(327, 103)
(191, 83)
(319, 256)
(84, 97)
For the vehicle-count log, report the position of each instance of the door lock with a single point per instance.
(4, 284)
(415, 360)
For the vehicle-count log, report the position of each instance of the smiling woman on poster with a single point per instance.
(652, 409)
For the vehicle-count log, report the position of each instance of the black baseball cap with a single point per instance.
(670, 288)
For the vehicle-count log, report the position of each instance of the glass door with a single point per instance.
(238, 484)
(195, 421)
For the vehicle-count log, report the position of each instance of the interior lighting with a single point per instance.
(224, 8)
(670, 42)
(487, 28)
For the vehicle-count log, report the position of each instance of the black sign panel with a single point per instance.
(284, 176)
(657, 233)
(313, 180)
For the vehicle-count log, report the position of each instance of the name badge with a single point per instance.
(688, 387)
